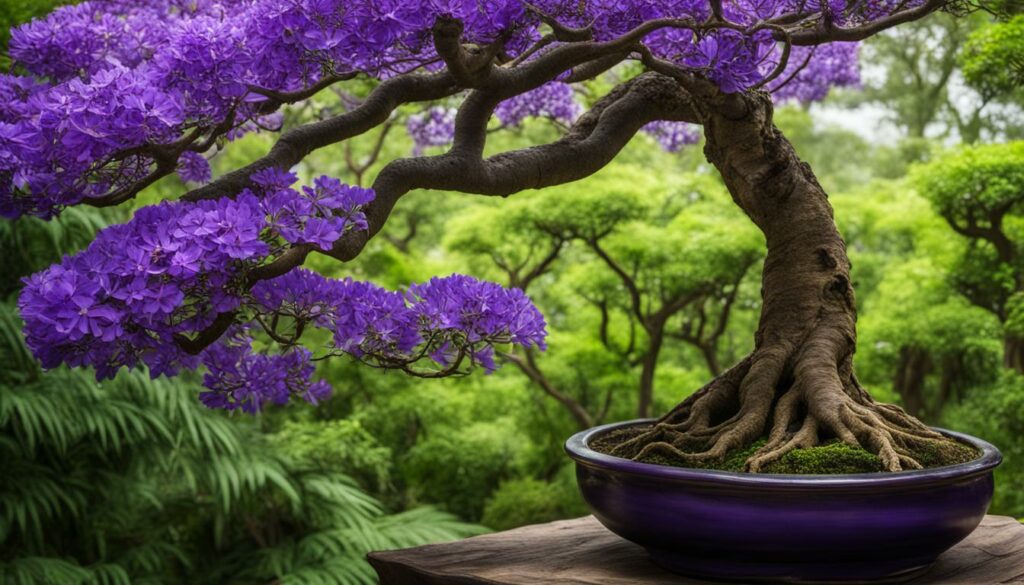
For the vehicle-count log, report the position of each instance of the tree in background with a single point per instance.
(651, 269)
(948, 76)
(979, 191)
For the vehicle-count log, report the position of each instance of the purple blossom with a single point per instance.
(446, 318)
(673, 136)
(812, 71)
(434, 127)
(194, 168)
(169, 272)
(238, 378)
(554, 101)
(110, 77)
(484, 312)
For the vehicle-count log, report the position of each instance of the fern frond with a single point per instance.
(340, 570)
(108, 574)
(34, 495)
(42, 571)
(231, 478)
(424, 525)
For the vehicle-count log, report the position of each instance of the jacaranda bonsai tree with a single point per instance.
(111, 96)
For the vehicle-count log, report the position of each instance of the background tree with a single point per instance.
(928, 76)
(978, 192)
(650, 270)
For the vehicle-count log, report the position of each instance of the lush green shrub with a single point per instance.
(340, 445)
(458, 469)
(996, 414)
(523, 501)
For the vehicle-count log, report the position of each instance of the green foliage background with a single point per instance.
(133, 481)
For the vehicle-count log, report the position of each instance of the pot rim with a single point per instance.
(577, 448)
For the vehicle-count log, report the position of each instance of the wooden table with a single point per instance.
(582, 552)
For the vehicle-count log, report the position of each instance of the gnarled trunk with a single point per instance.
(797, 387)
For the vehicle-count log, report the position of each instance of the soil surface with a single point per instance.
(833, 457)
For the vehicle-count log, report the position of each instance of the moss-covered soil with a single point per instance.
(831, 458)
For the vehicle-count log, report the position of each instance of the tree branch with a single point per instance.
(824, 33)
(592, 142)
(297, 143)
(528, 365)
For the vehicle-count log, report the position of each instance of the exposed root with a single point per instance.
(796, 400)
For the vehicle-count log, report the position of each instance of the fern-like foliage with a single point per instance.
(133, 481)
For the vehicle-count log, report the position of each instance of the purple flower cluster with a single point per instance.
(114, 81)
(433, 127)
(141, 287)
(318, 215)
(194, 168)
(239, 378)
(672, 136)
(812, 71)
(482, 313)
(451, 319)
(171, 270)
(554, 100)
(363, 317)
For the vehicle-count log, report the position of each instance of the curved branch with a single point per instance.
(591, 143)
(296, 144)
(635, 298)
(528, 366)
(825, 32)
(278, 98)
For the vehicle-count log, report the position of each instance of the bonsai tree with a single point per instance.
(114, 96)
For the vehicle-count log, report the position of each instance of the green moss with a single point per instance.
(831, 458)
(950, 453)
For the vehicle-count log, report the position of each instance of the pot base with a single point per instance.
(825, 573)
(856, 528)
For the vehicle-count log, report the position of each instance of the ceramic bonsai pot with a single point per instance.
(792, 528)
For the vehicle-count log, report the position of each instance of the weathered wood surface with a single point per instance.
(582, 552)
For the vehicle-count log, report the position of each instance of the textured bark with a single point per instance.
(798, 386)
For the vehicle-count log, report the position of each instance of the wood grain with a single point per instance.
(582, 552)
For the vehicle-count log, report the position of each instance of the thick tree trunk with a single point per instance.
(797, 387)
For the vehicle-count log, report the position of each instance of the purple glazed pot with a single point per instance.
(789, 528)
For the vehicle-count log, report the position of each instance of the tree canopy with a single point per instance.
(112, 96)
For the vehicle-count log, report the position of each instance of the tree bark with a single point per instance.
(798, 386)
